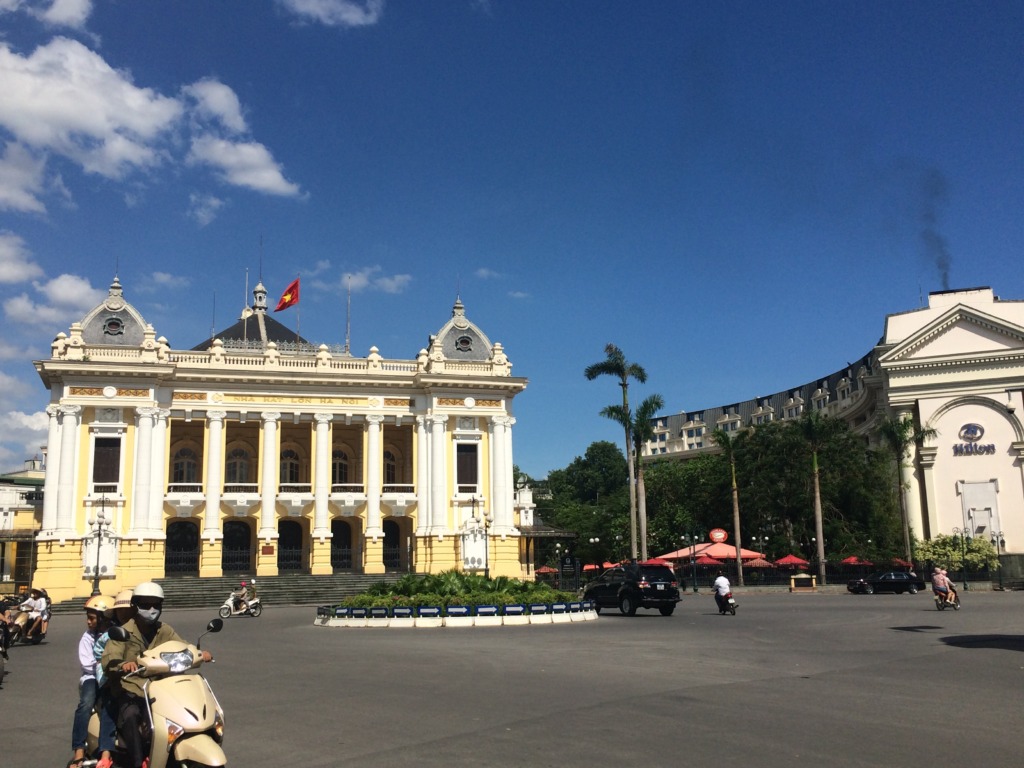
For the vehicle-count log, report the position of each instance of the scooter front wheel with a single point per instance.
(224, 612)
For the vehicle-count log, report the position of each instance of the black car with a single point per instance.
(631, 586)
(886, 581)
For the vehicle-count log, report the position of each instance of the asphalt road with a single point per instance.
(809, 679)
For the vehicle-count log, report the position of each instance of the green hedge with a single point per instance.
(456, 588)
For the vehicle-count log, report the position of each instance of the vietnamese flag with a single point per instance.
(289, 297)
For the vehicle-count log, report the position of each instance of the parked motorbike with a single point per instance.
(942, 603)
(726, 603)
(253, 608)
(19, 626)
(186, 722)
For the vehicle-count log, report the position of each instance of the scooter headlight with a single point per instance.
(178, 661)
(218, 727)
(174, 732)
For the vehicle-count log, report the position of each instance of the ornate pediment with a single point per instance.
(961, 333)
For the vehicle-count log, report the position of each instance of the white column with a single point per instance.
(322, 465)
(66, 482)
(142, 485)
(52, 471)
(910, 485)
(422, 479)
(374, 476)
(438, 475)
(510, 484)
(214, 474)
(269, 474)
(499, 486)
(158, 477)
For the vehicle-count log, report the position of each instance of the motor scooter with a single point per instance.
(253, 608)
(18, 628)
(726, 603)
(186, 722)
(942, 603)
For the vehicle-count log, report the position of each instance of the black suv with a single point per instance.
(634, 585)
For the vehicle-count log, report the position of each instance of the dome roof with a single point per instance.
(114, 322)
(460, 339)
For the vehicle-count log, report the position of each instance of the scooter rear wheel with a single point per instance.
(256, 610)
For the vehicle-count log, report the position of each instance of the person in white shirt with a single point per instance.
(34, 605)
(722, 588)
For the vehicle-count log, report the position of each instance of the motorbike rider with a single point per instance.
(950, 586)
(5, 619)
(34, 605)
(119, 615)
(722, 588)
(119, 660)
(95, 623)
(240, 598)
(940, 585)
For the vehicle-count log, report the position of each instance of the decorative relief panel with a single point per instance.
(397, 402)
(450, 401)
(133, 392)
(86, 391)
(198, 396)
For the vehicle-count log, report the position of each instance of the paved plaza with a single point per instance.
(810, 679)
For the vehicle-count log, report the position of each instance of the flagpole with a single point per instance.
(348, 318)
(298, 315)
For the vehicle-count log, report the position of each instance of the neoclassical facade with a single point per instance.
(956, 366)
(259, 453)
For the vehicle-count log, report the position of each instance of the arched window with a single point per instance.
(289, 466)
(186, 464)
(339, 468)
(237, 466)
(390, 468)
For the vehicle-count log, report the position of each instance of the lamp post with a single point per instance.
(692, 538)
(964, 539)
(101, 521)
(484, 520)
(1000, 543)
(594, 541)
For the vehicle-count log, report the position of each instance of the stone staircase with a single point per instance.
(291, 589)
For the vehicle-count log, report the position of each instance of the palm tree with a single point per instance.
(816, 431)
(641, 430)
(728, 446)
(617, 365)
(899, 434)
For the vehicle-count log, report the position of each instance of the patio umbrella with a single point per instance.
(899, 562)
(791, 560)
(546, 569)
(705, 560)
(758, 562)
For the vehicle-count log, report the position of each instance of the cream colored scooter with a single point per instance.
(187, 722)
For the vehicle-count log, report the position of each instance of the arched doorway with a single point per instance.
(236, 555)
(341, 545)
(392, 545)
(181, 550)
(289, 546)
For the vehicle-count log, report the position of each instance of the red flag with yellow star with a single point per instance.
(289, 297)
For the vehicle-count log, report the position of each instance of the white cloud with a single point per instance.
(337, 13)
(10, 350)
(243, 164)
(487, 274)
(518, 294)
(21, 180)
(367, 279)
(67, 299)
(57, 13)
(16, 265)
(217, 102)
(204, 208)
(24, 436)
(13, 387)
(65, 99)
(161, 282)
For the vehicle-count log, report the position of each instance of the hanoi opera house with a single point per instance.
(256, 452)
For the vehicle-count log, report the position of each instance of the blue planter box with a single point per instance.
(514, 610)
(575, 607)
(323, 610)
(401, 612)
(559, 607)
(340, 612)
(458, 610)
(428, 611)
(588, 605)
(538, 608)
(378, 612)
(487, 610)
(358, 613)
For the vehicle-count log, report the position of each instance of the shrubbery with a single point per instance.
(455, 588)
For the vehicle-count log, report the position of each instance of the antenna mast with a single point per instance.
(348, 317)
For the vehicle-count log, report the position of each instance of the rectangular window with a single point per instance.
(466, 468)
(106, 460)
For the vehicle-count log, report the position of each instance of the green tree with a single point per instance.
(817, 430)
(948, 552)
(899, 434)
(728, 445)
(615, 364)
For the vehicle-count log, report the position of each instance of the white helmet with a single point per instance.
(149, 589)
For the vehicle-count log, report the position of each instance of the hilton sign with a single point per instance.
(971, 435)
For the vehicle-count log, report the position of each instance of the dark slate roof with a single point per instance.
(255, 332)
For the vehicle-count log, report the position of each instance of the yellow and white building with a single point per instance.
(259, 453)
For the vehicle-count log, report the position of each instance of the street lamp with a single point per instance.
(692, 538)
(101, 521)
(486, 519)
(964, 539)
(1000, 543)
(594, 540)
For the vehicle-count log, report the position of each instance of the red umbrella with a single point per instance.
(855, 560)
(656, 561)
(705, 560)
(901, 563)
(546, 569)
(791, 560)
(758, 562)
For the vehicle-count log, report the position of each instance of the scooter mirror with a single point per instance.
(118, 633)
(215, 625)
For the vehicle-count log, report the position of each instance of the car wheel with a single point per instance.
(868, 589)
(667, 610)
(597, 609)
(912, 590)
(626, 606)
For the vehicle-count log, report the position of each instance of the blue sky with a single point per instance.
(734, 193)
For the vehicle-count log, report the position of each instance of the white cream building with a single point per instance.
(956, 366)
(257, 452)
